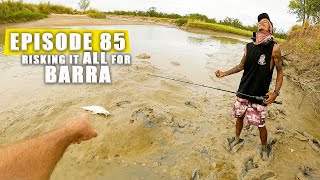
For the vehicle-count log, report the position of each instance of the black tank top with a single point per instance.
(257, 75)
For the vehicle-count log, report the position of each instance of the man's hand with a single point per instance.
(81, 127)
(271, 99)
(220, 74)
(235, 69)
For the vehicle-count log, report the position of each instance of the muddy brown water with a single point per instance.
(158, 129)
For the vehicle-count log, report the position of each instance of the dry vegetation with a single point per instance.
(302, 61)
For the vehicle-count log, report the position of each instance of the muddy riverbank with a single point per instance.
(159, 129)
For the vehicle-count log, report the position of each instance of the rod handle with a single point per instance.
(266, 97)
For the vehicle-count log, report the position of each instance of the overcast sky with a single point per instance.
(245, 10)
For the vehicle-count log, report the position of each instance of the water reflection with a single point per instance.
(228, 40)
(198, 54)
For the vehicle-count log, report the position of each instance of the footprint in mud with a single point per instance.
(249, 165)
(232, 147)
(261, 176)
(270, 149)
(175, 63)
(305, 173)
(144, 114)
(196, 175)
(267, 175)
(301, 136)
(122, 103)
(143, 56)
(147, 116)
(206, 154)
(251, 171)
(252, 164)
(190, 104)
(179, 125)
(315, 144)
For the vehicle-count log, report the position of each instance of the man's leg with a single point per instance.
(263, 137)
(239, 126)
(239, 112)
(36, 158)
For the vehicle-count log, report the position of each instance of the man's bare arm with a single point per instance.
(237, 68)
(278, 64)
(36, 158)
(276, 54)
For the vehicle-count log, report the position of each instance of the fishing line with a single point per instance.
(261, 98)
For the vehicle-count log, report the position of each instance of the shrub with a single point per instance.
(27, 16)
(181, 21)
(58, 9)
(98, 15)
(21, 16)
(198, 16)
(90, 11)
(212, 20)
(295, 27)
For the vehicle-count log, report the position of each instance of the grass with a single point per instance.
(96, 15)
(57, 9)
(22, 16)
(17, 11)
(166, 20)
(306, 39)
(223, 28)
(218, 27)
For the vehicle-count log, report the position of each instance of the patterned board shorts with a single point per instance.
(255, 114)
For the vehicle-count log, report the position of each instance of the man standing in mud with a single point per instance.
(259, 59)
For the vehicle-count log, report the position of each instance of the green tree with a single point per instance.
(232, 22)
(84, 4)
(305, 10)
(315, 13)
(152, 12)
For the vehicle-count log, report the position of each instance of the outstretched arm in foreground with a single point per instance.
(36, 158)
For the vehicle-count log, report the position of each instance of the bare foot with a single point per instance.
(81, 128)
(264, 154)
(235, 142)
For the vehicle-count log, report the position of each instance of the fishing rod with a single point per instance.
(260, 98)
